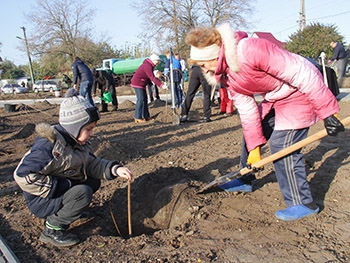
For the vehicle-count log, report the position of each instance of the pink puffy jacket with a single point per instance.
(289, 83)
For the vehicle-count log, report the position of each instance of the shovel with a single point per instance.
(325, 79)
(273, 157)
(176, 120)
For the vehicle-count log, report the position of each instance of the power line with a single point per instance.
(286, 29)
(317, 18)
(323, 17)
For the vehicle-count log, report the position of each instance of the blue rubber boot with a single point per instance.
(236, 185)
(296, 212)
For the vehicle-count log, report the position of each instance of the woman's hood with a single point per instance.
(229, 45)
(228, 57)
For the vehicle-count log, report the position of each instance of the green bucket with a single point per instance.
(107, 97)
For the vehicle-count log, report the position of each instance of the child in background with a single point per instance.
(226, 104)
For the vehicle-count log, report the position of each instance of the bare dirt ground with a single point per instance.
(170, 221)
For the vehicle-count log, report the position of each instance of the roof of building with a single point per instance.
(269, 37)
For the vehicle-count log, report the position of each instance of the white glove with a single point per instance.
(114, 169)
(122, 171)
(157, 73)
(164, 86)
(74, 86)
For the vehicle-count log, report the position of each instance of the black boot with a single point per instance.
(183, 118)
(60, 238)
(104, 107)
(206, 119)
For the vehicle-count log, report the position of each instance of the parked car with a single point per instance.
(45, 85)
(13, 89)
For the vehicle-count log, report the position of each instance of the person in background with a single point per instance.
(153, 91)
(182, 62)
(67, 80)
(60, 174)
(226, 104)
(144, 76)
(341, 58)
(183, 67)
(196, 80)
(177, 76)
(82, 73)
(291, 87)
(106, 83)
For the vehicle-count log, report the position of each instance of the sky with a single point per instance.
(122, 24)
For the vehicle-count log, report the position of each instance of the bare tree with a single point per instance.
(168, 22)
(233, 11)
(165, 21)
(59, 26)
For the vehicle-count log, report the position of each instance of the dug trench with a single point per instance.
(169, 204)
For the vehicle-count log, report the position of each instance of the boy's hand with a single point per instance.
(123, 172)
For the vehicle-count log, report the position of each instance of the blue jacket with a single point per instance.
(81, 71)
(177, 72)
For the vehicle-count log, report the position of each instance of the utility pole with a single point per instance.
(302, 16)
(30, 60)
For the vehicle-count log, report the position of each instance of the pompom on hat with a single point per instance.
(76, 112)
(154, 57)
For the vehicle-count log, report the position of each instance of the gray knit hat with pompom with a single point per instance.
(76, 112)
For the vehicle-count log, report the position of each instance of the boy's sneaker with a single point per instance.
(237, 185)
(296, 212)
(60, 238)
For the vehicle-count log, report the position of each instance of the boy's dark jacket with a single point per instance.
(55, 163)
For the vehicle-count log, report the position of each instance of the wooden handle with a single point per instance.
(292, 148)
(129, 209)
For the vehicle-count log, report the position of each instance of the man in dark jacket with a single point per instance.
(196, 80)
(106, 83)
(82, 73)
(341, 58)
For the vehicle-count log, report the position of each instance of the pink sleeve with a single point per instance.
(250, 119)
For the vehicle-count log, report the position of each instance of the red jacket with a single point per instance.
(144, 76)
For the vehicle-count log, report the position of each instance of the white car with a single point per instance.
(45, 85)
(13, 89)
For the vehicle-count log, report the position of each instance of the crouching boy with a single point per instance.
(60, 174)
